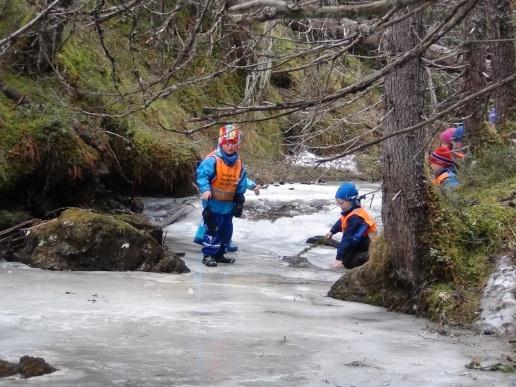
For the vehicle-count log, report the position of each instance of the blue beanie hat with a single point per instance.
(347, 191)
(458, 135)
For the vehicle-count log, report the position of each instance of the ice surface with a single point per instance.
(258, 322)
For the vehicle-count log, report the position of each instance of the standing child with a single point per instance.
(355, 224)
(222, 181)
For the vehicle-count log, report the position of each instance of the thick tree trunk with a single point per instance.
(474, 78)
(405, 190)
(502, 57)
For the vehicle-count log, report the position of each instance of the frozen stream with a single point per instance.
(259, 322)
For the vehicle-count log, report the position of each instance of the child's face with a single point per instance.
(344, 204)
(229, 147)
(458, 145)
(435, 167)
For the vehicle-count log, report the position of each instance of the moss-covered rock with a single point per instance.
(83, 240)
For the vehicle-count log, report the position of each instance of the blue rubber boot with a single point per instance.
(199, 234)
(231, 247)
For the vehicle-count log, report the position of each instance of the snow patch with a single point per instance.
(307, 159)
(498, 305)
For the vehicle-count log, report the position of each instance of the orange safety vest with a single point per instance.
(224, 184)
(364, 215)
(439, 179)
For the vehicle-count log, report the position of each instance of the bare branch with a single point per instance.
(289, 10)
(456, 16)
(6, 42)
(430, 120)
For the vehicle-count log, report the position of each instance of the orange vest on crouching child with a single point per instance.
(439, 179)
(364, 215)
(224, 184)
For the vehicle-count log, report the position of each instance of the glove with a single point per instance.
(209, 220)
(239, 205)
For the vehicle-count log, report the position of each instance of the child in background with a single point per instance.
(443, 167)
(458, 149)
(446, 137)
(356, 224)
(491, 116)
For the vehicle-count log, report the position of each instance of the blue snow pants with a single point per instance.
(215, 242)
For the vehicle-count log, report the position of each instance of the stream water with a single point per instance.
(259, 322)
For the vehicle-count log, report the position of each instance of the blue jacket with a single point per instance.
(205, 174)
(451, 181)
(355, 231)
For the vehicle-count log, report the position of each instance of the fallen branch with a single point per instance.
(13, 95)
(13, 238)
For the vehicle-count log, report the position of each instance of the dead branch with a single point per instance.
(14, 237)
(278, 9)
(456, 15)
(442, 113)
(6, 42)
(13, 95)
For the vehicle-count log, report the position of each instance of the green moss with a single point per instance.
(450, 304)
(13, 217)
(14, 15)
(85, 219)
(29, 129)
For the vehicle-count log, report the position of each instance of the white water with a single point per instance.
(258, 322)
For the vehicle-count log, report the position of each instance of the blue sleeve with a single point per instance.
(250, 184)
(242, 183)
(205, 174)
(451, 181)
(355, 230)
(337, 227)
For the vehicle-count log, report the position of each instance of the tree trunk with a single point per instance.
(502, 57)
(474, 79)
(405, 191)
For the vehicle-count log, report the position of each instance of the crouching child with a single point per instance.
(356, 225)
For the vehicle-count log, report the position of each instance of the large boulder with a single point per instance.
(31, 366)
(83, 240)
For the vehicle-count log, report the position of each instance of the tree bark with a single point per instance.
(405, 208)
(502, 57)
(474, 78)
